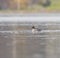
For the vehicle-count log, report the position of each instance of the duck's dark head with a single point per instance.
(33, 27)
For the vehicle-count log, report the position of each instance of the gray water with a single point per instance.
(18, 41)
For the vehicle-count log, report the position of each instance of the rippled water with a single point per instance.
(18, 41)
